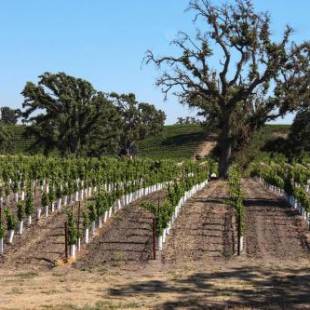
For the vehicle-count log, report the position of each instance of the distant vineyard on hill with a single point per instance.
(174, 142)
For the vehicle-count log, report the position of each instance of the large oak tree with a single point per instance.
(256, 79)
(68, 115)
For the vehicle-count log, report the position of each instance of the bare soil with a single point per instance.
(205, 227)
(273, 229)
(206, 147)
(41, 246)
(128, 237)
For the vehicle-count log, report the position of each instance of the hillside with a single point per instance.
(183, 141)
(175, 142)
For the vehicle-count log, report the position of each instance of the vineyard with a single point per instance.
(89, 214)
(193, 194)
(88, 192)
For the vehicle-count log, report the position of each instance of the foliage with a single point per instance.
(92, 212)
(10, 219)
(138, 121)
(292, 178)
(101, 203)
(20, 210)
(299, 136)
(236, 196)
(85, 218)
(73, 117)
(5, 138)
(174, 142)
(72, 229)
(51, 195)
(29, 203)
(8, 115)
(1, 229)
(44, 200)
(192, 174)
(304, 199)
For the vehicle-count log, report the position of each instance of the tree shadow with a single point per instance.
(247, 286)
(257, 202)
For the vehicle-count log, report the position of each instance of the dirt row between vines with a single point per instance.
(41, 245)
(127, 236)
(273, 229)
(204, 228)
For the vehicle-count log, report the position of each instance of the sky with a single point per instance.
(104, 42)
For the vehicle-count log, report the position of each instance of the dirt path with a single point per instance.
(203, 228)
(273, 230)
(41, 246)
(126, 238)
(206, 147)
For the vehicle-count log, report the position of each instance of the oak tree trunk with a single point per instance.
(225, 143)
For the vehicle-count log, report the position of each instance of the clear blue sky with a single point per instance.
(104, 41)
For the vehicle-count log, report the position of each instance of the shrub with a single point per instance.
(72, 229)
(10, 219)
(20, 211)
(29, 203)
(44, 200)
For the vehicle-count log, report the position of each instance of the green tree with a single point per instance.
(299, 136)
(257, 78)
(138, 121)
(5, 138)
(8, 115)
(68, 115)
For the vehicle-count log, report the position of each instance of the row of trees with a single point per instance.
(188, 121)
(67, 115)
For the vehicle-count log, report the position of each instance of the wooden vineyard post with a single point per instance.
(154, 238)
(66, 241)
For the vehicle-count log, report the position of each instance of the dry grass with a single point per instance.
(238, 283)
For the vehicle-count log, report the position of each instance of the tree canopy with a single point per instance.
(8, 115)
(67, 115)
(257, 78)
(299, 136)
(138, 121)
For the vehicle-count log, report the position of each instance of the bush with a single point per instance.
(20, 211)
(85, 219)
(44, 200)
(72, 229)
(10, 220)
(92, 212)
(29, 203)
(1, 230)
